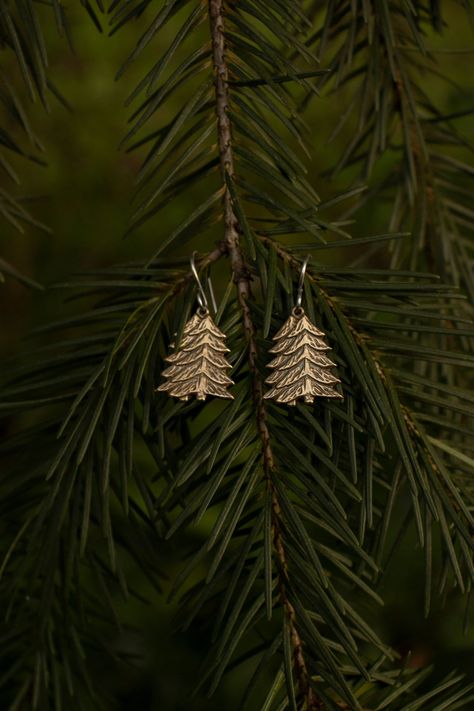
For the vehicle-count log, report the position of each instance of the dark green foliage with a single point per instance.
(381, 54)
(106, 472)
(24, 51)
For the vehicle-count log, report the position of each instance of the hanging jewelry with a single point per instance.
(198, 364)
(301, 369)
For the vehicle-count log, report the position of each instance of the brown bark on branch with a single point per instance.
(242, 278)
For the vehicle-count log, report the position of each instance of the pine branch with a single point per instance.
(242, 280)
(299, 501)
(413, 426)
(381, 51)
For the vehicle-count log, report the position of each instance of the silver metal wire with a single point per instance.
(201, 294)
(299, 293)
(212, 295)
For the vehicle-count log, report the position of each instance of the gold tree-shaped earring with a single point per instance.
(301, 368)
(198, 363)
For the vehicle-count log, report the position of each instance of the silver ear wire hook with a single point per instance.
(299, 293)
(201, 294)
(211, 294)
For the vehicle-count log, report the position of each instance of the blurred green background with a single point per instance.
(83, 195)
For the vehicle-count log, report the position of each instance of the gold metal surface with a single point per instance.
(198, 365)
(301, 369)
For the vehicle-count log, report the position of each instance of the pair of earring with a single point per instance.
(301, 368)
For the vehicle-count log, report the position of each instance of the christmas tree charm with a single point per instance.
(301, 368)
(198, 366)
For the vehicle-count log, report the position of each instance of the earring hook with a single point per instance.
(212, 295)
(201, 294)
(299, 293)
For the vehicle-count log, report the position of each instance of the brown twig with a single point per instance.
(202, 263)
(242, 280)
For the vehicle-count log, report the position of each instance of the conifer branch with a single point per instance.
(410, 418)
(203, 262)
(242, 280)
(423, 174)
(427, 190)
(301, 499)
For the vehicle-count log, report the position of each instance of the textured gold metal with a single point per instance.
(198, 365)
(301, 369)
